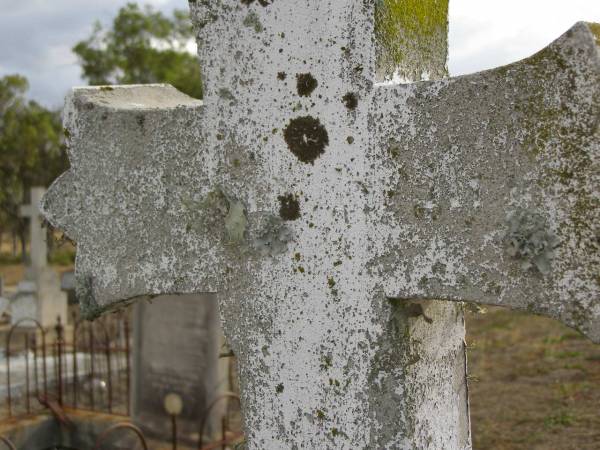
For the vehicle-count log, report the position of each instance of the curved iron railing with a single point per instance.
(37, 326)
(118, 426)
(97, 356)
(8, 443)
(206, 415)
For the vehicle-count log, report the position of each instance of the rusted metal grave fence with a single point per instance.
(85, 366)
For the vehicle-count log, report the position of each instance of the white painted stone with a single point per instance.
(24, 304)
(4, 306)
(41, 299)
(323, 228)
(52, 301)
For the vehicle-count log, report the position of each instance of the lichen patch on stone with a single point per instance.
(289, 207)
(253, 21)
(236, 221)
(529, 240)
(306, 137)
(306, 84)
(350, 100)
(260, 2)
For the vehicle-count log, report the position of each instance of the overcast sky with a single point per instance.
(36, 36)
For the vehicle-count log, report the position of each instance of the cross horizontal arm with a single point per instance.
(494, 184)
(137, 198)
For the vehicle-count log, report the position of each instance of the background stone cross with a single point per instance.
(323, 204)
(38, 249)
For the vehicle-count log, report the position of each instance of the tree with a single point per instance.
(32, 152)
(142, 46)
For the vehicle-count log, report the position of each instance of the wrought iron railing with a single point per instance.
(88, 370)
(84, 367)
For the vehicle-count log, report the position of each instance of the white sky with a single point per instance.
(489, 33)
(36, 36)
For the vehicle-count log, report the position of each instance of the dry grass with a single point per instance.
(12, 269)
(12, 273)
(535, 384)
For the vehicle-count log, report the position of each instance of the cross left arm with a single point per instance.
(138, 198)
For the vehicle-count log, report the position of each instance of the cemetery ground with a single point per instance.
(534, 383)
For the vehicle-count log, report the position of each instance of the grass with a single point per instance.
(534, 384)
(62, 258)
(8, 258)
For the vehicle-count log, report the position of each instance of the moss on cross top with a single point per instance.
(410, 31)
(595, 29)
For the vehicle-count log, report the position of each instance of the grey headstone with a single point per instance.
(176, 350)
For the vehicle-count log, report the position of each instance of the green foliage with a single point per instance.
(31, 149)
(6, 259)
(62, 257)
(142, 46)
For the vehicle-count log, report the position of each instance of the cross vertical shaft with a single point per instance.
(340, 365)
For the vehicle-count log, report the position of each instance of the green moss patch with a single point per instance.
(409, 31)
(595, 29)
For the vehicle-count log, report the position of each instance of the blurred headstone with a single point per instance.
(176, 350)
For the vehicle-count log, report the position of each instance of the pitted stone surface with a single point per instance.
(496, 199)
(132, 197)
(407, 200)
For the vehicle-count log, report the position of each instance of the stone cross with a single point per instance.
(38, 248)
(341, 217)
(39, 295)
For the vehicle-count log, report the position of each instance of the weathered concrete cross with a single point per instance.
(38, 249)
(324, 206)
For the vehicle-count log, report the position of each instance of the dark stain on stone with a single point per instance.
(306, 137)
(410, 309)
(306, 84)
(261, 2)
(140, 119)
(226, 94)
(281, 76)
(350, 100)
(289, 207)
